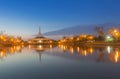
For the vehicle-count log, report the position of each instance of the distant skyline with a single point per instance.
(23, 17)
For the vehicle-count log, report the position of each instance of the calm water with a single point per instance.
(59, 62)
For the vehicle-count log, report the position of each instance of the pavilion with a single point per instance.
(40, 39)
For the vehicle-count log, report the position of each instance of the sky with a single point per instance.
(23, 17)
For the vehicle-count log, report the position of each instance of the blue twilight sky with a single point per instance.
(23, 17)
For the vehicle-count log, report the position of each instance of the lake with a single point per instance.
(59, 62)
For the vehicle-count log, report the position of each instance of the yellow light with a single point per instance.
(78, 49)
(1, 54)
(50, 46)
(91, 37)
(18, 48)
(29, 46)
(115, 31)
(71, 50)
(40, 46)
(116, 34)
(91, 50)
(40, 41)
(84, 36)
(12, 50)
(50, 41)
(85, 52)
(71, 38)
(116, 57)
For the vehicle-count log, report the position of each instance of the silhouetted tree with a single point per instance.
(100, 33)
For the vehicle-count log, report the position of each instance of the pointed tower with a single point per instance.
(39, 39)
(39, 33)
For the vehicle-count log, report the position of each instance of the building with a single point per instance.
(40, 39)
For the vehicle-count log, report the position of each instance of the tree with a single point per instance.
(115, 33)
(100, 33)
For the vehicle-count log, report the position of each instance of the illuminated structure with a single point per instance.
(40, 39)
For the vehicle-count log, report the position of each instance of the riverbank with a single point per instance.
(103, 43)
(93, 44)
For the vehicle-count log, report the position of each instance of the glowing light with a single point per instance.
(50, 41)
(2, 54)
(40, 47)
(78, 49)
(29, 46)
(12, 50)
(18, 48)
(115, 31)
(64, 48)
(116, 57)
(50, 46)
(85, 52)
(40, 41)
(116, 34)
(71, 50)
(91, 50)
(71, 38)
(108, 37)
(108, 49)
(78, 39)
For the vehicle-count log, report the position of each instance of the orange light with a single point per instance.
(116, 57)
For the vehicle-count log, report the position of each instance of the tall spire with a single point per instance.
(39, 33)
(39, 30)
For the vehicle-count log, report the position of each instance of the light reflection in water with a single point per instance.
(91, 50)
(71, 50)
(78, 49)
(4, 51)
(111, 53)
(109, 49)
(100, 53)
(116, 56)
(85, 52)
(51, 48)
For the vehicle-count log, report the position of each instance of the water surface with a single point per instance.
(59, 62)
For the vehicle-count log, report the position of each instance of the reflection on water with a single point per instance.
(112, 53)
(41, 48)
(99, 54)
(5, 51)
(59, 62)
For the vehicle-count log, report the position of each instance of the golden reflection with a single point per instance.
(4, 51)
(29, 46)
(12, 49)
(85, 52)
(71, 50)
(110, 54)
(115, 56)
(78, 49)
(91, 50)
(40, 47)
(51, 46)
(64, 48)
